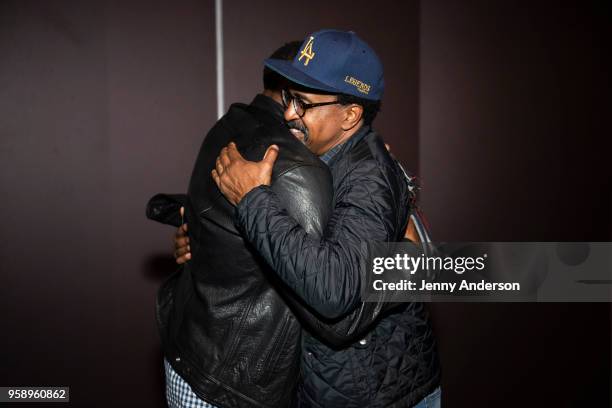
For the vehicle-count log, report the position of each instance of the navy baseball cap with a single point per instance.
(335, 61)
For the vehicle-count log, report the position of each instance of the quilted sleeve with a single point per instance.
(325, 273)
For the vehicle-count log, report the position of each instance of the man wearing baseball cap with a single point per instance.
(336, 86)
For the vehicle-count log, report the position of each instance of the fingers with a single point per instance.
(181, 232)
(233, 152)
(182, 212)
(224, 157)
(271, 155)
(216, 178)
(181, 239)
(222, 161)
(230, 154)
(182, 242)
(218, 166)
(267, 164)
(182, 249)
(182, 259)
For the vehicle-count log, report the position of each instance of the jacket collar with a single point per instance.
(335, 152)
(269, 105)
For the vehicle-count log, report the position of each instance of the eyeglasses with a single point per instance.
(299, 105)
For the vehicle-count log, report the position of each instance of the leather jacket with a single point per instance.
(225, 327)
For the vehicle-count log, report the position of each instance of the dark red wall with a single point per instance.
(514, 133)
(500, 108)
(514, 137)
(102, 105)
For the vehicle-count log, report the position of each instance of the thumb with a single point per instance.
(271, 155)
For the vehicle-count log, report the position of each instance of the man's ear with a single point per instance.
(352, 116)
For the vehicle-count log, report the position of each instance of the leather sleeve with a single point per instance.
(307, 193)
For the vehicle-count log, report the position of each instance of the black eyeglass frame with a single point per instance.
(299, 105)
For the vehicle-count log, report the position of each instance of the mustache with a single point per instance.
(296, 124)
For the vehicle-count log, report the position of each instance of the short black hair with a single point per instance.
(370, 107)
(272, 80)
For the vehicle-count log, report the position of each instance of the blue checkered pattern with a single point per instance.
(179, 393)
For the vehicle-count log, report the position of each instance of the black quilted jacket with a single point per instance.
(395, 363)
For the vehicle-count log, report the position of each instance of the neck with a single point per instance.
(346, 135)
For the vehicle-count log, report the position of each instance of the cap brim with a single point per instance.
(287, 70)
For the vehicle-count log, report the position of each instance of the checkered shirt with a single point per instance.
(179, 393)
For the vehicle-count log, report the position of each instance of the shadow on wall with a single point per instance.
(158, 386)
(158, 266)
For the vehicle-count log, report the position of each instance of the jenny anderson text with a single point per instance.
(423, 285)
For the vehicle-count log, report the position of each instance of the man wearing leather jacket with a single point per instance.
(228, 336)
(334, 94)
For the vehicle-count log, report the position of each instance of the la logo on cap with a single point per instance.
(307, 52)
